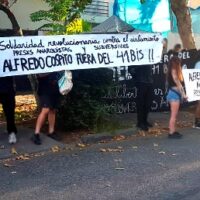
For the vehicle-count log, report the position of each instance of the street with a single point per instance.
(138, 168)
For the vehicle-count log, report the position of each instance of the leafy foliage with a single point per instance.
(83, 107)
(60, 14)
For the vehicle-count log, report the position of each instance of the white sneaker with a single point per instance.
(12, 138)
(197, 126)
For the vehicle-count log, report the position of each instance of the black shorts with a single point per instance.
(49, 101)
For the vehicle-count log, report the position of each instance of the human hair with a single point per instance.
(177, 47)
(175, 63)
(165, 41)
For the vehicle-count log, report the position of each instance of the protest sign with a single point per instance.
(121, 98)
(192, 83)
(191, 74)
(42, 54)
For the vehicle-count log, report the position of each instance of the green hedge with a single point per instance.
(83, 106)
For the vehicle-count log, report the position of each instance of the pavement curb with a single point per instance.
(105, 136)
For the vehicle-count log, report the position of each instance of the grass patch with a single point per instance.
(112, 124)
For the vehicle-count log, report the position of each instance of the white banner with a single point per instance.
(192, 83)
(42, 54)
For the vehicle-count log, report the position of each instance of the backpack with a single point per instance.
(65, 83)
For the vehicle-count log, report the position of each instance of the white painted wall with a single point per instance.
(99, 19)
(174, 38)
(194, 3)
(22, 10)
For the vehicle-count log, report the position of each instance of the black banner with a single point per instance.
(121, 98)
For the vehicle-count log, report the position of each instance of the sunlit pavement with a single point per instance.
(137, 168)
(24, 144)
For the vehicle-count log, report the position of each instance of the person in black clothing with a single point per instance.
(49, 96)
(7, 99)
(142, 77)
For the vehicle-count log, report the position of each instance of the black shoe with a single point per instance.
(196, 125)
(175, 135)
(36, 139)
(54, 136)
(143, 127)
(149, 124)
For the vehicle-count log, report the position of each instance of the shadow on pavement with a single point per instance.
(24, 145)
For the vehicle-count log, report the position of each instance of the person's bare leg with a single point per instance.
(197, 115)
(174, 107)
(51, 120)
(41, 119)
(197, 111)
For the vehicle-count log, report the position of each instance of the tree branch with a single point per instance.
(12, 19)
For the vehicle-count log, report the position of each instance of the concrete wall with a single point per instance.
(98, 18)
(22, 10)
(174, 38)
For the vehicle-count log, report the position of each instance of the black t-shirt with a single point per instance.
(48, 85)
(141, 73)
(7, 85)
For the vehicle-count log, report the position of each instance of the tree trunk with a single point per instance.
(15, 25)
(184, 23)
(180, 9)
(18, 31)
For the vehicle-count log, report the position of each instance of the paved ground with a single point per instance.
(138, 168)
(158, 119)
(24, 144)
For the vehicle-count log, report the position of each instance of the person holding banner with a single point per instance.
(176, 93)
(49, 98)
(197, 111)
(7, 99)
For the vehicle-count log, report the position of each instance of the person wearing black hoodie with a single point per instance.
(7, 99)
(143, 80)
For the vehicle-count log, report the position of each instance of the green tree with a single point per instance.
(60, 14)
(184, 23)
(83, 107)
(5, 6)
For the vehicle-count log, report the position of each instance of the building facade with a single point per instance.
(95, 13)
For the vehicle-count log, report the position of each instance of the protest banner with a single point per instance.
(121, 98)
(42, 54)
(191, 74)
(192, 83)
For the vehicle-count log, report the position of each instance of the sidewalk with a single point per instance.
(158, 119)
(25, 145)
